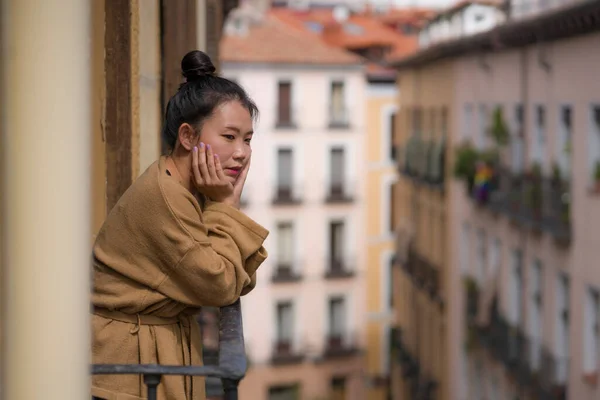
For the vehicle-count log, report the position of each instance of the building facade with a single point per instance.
(304, 323)
(522, 289)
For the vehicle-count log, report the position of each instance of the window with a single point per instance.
(338, 114)
(285, 247)
(338, 388)
(539, 139)
(444, 122)
(591, 334)
(391, 137)
(516, 288)
(517, 139)
(562, 333)
(467, 122)
(284, 327)
(337, 170)
(337, 321)
(535, 311)
(417, 122)
(465, 248)
(291, 392)
(563, 155)
(336, 245)
(284, 109)
(483, 125)
(594, 141)
(285, 173)
(481, 257)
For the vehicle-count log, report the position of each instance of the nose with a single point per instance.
(240, 153)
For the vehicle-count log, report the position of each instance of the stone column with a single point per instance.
(45, 126)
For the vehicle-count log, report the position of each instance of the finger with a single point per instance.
(210, 161)
(195, 170)
(243, 174)
(202, 163)
(219, 168)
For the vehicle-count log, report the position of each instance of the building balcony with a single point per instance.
(342, 344)
(286, 272)
(425, 274)
(424, 162)
(339, 193)
(339, 117)
(286, 195)
(285, 354)
(339, 268)
(533, 202)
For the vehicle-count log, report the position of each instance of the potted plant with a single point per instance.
(465, 162)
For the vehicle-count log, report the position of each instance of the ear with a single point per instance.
(187, 136)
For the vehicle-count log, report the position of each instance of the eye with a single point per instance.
(248, 140)
(229, 137)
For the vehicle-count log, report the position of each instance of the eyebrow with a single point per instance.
(235, 128)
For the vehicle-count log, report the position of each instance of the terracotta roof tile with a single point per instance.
(275, 41)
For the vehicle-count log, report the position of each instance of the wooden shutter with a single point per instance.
(284, 111)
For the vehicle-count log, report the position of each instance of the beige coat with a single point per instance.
(158, 258)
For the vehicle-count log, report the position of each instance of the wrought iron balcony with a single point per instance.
(231, 367)
(339, 267)
(531, 201)
(285, 272)
(339, 117)
(424, 161)
(340, 344)
(339, 192)
(286, 194)
(425, 274)
(284, 353)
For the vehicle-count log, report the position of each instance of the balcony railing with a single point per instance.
(424, 161)
(286, 118)
(534, 202)
(286, 195)
(286, 272)
(339, 192)
(340, 344)
(425, 274)
(231, 366)
(339, 117)
(339, 267)
(285, 353)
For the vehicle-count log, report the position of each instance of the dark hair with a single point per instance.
(199, 95)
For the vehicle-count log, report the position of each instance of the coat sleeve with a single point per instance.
(224, 249)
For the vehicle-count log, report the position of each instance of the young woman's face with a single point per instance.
(229, 131)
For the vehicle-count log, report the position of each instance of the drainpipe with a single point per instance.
(45, 141)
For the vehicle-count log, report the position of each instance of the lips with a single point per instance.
(233, 171)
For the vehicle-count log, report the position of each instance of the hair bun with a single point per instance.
(195, 65)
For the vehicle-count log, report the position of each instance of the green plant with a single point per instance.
(498, 128)
(466, 159)
(597, 171)
(536, 169)
(556, 174)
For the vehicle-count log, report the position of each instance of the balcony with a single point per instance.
(339, 268)
(339, 345)
(285, 354)
(339, 192)
(285, 272)
(531, 201)
(424, 162)
(425, 274)
(339, 117)
(286, 195)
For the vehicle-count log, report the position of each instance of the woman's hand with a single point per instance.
(210, 180)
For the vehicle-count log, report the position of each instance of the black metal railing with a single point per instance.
(286, 195)
(231, 367)
(339, 192)
(340, 344)
(425, 274)
(285, 272)
(531, 201)
(339, 267)
(424, 161)
(284, 353)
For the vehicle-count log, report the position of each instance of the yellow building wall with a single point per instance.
(423, 215)
(379, 239)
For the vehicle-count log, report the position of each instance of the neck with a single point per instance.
(181, 162)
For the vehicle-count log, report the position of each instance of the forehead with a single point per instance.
(233, 113)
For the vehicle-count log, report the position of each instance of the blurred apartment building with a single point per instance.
(323, 168)
(497, 286)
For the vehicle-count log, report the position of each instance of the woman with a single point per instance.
(176, 240)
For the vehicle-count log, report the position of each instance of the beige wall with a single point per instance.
(423, 214)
